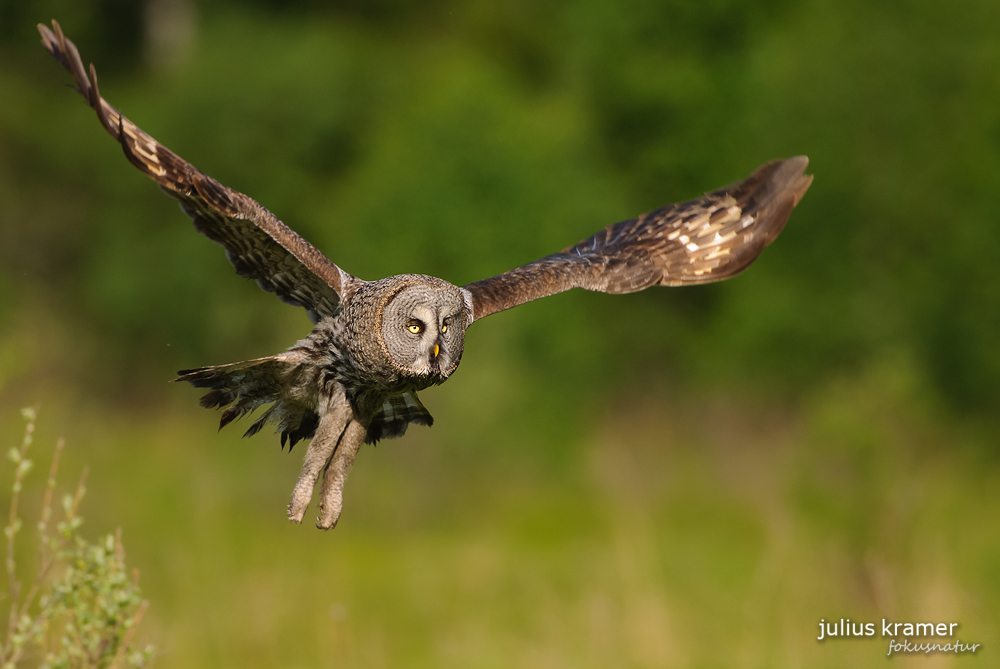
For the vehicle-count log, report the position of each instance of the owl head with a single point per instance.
(423, 327)
(419, 325)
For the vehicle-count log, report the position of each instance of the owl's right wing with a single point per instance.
(708, 239)
(258, 245)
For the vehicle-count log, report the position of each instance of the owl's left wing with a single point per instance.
(708, 239)
(258, 245)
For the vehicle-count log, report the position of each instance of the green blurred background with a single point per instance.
(681, 477)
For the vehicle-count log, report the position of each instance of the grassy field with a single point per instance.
(705, 531)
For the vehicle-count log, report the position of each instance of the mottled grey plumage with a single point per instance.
(354, 378)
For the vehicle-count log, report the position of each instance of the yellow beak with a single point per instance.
(437, 349)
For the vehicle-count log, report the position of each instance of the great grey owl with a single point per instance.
(354, 378)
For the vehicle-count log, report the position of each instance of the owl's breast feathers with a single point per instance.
(298, 382)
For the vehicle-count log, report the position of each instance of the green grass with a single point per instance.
(706, 531)
(76, 605)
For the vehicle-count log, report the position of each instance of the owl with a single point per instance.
(354, 379)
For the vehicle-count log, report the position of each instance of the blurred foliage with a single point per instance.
(81, 608)
(815, 438)
(462, 139)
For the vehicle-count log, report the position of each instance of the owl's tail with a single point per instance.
(242, 387)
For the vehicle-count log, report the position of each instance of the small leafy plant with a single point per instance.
(82, 608)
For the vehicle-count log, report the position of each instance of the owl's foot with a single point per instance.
(332, 428)
(331, 496)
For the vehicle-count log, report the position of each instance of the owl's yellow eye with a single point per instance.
(415, 327)
(444, 328)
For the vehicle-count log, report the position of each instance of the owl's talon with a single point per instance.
(333, 425)
(296, 510)
(331, 496)
(302, 494)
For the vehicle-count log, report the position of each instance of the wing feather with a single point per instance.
(397, 412)
(708, 239)
(258, 245)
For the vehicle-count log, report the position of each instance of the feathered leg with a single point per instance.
(334, 420)
(331, 500)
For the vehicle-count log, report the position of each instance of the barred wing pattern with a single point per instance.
(397, 412)
(258, 245)
(708, 239)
